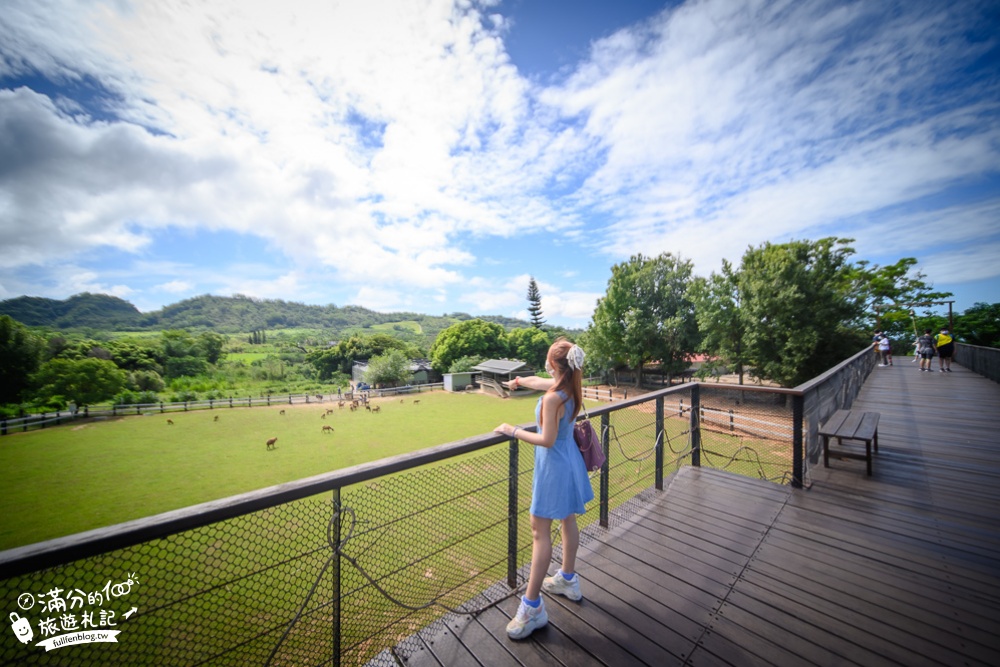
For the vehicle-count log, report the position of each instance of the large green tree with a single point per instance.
(646, 315)
(20, 355)
(132, 354)
(80, 381)
(886, 293)
(979, 325)
(721, 321)
(798, 305)
(389, 369)
(470, 338)
(530, 345)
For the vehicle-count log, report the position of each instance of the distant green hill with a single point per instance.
(97, 311)
(235, 314)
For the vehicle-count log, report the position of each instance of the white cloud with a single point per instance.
(371, 144)
(345, 139)
(175, 287)
(963, 264)
(724, 125)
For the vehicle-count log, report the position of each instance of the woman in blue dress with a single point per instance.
(560, 487)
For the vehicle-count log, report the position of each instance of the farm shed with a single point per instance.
(457, 381)
(495, 371)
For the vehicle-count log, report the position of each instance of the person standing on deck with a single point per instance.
(560, 485)
(927, 350)
(885, 350)
(945, 348)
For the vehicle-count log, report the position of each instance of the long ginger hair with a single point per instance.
(570, 380)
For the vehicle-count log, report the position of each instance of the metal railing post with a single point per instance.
(798, 442)
(606, 468)
(659, 437)
(335, 573)
(512, 472)
(695, 425)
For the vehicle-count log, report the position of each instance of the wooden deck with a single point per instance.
(902, 568)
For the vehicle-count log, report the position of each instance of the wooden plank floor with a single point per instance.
(902, 568)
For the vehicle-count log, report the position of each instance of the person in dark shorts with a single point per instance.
(925, 344)
(946, 349)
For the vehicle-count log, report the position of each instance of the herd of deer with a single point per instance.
(271, 443)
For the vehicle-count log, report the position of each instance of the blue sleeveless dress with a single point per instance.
(560, 486)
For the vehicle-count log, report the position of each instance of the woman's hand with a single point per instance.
(506, 429)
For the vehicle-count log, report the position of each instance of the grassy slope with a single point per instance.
(68, 479)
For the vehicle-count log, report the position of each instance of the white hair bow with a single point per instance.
(575, 358)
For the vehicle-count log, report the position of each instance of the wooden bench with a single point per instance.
(851, 425)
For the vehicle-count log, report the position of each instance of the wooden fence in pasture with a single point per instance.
(45, 419)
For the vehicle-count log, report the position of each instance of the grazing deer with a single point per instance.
(327, 429)
(377, 408)
(340, 404)
(270, 443)
(353, 408)
(416, 401)
(170, 422)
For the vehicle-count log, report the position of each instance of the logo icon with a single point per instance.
(21, 628)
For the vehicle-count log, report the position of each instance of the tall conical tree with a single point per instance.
(535, 304)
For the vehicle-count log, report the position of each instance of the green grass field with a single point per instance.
(408, 325)
(246, 357)
(228, 589)
(68, 479)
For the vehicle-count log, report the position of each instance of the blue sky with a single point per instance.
(431, 155)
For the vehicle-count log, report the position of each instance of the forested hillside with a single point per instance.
(235, 314)
(96, 311)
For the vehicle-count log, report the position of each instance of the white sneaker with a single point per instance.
(527, 620)
(557, 584)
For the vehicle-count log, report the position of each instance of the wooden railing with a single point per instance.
(982, 360)
(233, 580)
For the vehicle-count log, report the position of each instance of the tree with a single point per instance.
(530, 345)
(646, 315)
(980, 325)
(340, 357)
(798, 307)
(20, 355)
(211, 346)
(189, 366)
(145, 381)
(880, 287)
(721, 322)
(136, 355)
(535, 304)
(390, 369)
(82, 381)
(465, 364)
(472, 337)
(178, 343)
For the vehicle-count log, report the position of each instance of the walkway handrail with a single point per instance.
(982, 360)
(471, 512)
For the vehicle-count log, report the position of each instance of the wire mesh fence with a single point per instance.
(350, 573)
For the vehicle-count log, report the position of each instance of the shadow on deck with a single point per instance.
(902, 568)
